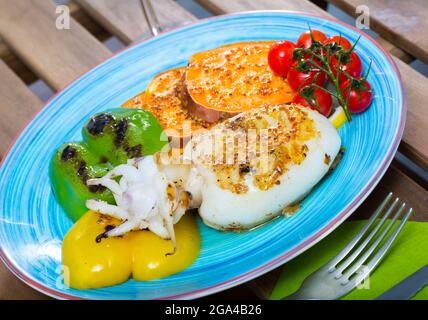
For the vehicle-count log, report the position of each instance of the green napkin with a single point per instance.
(408, 253)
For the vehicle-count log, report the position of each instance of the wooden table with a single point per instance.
(32, 48)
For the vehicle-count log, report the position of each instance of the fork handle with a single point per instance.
(302, 294)
(297, 296)
(150, 15)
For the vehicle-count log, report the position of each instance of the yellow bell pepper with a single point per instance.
(138, 254)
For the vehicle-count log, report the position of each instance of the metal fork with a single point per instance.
(354, 263)
(151, 18)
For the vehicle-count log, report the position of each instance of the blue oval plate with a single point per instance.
(32, 225)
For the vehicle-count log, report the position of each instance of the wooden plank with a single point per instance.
(22, 70)
(402, 22)
(394, 181)
(125, 19)
(17, 105)
(87, 22)
(11, 288)
(225, 6)
(57, 56)
(16, 65)
(78, 14)
(413, 142)
(394, 51)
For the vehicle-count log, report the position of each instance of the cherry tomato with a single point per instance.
(359, 99)
(297, 79)
(343, 42)
(305, 40)
(280, 57)
(354, 66)
(323, 98)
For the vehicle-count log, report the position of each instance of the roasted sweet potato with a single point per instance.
(166, 98)
(231, 79)
(135, 102)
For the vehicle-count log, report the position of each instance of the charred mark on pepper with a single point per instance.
(104, 234)
(68, 153)
(120, 128)
(97, 124)
(135, 151)
(103, 159)
(97, 188)
(82, 171)
(100, 237)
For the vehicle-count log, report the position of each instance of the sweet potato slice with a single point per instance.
(135, 102)
(166, 98)
(232, 79)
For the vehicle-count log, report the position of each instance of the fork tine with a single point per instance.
(378, 257)
(373, 247)
(366, 241)
(332, 263)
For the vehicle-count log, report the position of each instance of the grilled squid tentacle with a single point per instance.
(108, 209)
(121, 229)
(144, 197)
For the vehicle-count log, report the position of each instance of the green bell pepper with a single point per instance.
(109, 139)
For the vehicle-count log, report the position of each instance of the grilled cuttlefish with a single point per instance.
(238, 174)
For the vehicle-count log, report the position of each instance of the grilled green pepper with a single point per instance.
(109, 139)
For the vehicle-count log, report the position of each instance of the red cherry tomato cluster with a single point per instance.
(322, 58)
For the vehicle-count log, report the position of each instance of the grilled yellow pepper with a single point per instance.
(141, 255)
